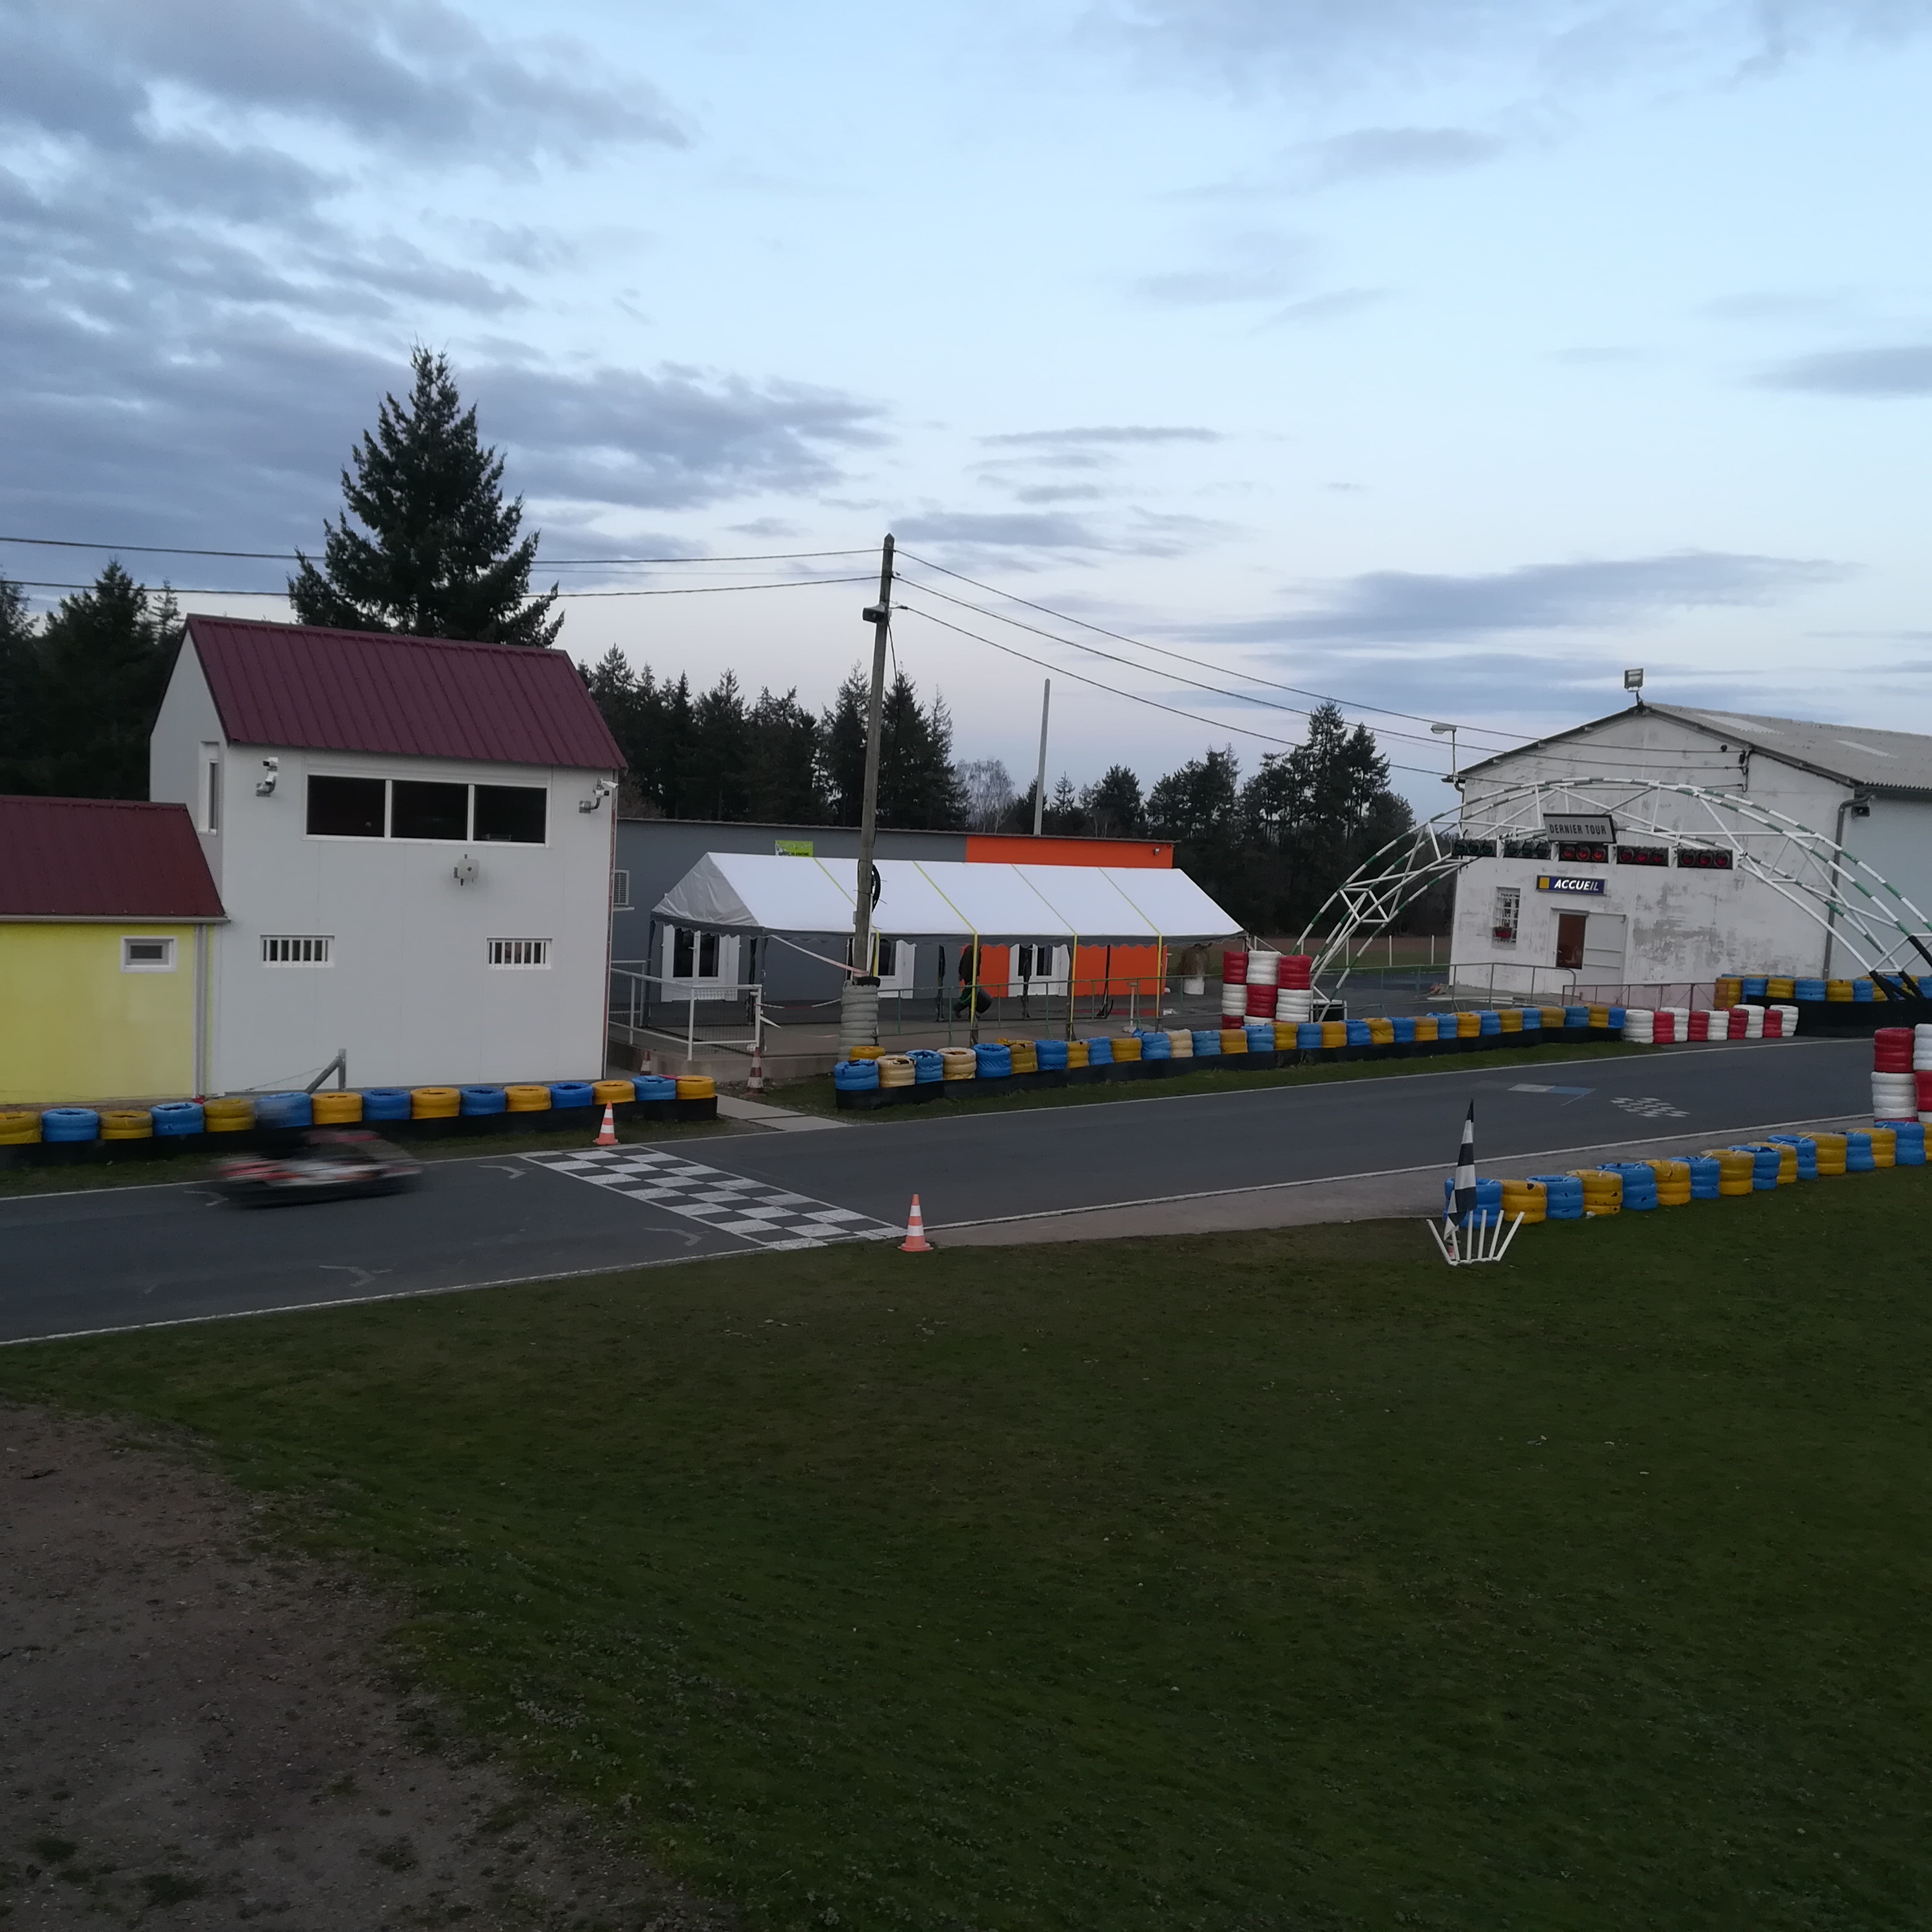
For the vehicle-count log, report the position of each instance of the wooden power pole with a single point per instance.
(858, 1004)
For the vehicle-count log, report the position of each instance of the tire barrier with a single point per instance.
(23, 1129)
(564, 1094)
(1181, 1044)
(1884, 1147)
(233, 1113)
(1563, 1195)
(441, 1103)
(1100, 1052)
(284, 1110)
(610, 1093)
(388, 1103)
(928, 1068)
(1022, 1056)
(1053, 1055)
(1603, 1191)
(1127, 1047)
(1080, 1053)
(1706, 1171)
(994, 1060)
(1638, 1179)
(340, 1109)
(1488, 1200)
(1154, 1046)
(127, 1123)
(1529, 1198)
(65, 1126)
(961, 1062)
(1207, 1045)
(1673, 1182)
(652, 1088)
(1859, 1153)
(1737, 1171)
(896, 1069)
(1908, 1137)
(1804, 1153)
(481, 1103)
(1234, 1040)
(175, 1120)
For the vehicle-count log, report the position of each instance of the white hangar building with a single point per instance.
(412, 838)
(1672, 906)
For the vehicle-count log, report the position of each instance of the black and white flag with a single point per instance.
(1465, 1167)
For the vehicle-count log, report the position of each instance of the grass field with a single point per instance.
(1265, 1581)
(816, 1096)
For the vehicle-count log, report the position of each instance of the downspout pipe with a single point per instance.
(1845, 805)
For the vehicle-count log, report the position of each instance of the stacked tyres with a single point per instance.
(1778, 987)
(174, 1121)
(128, 1129)
(280, 1112)
(1756, 987)
(1808, 989)
(1488, 1023)
(1706, 1173)
(1179, 1044)
(1334, 1033)
(603, 1093)
(1767, 1163)
(1895, 1087)
(1403, 1027)
(960, 1062)
(1263, 972)
(1382, 1032)
(1603, 1191)
(1233, 986)
(1680, 1020)
(379, 1103)
(856, 1076)
(1773, 1023)
(1355, 1033)
(565, 1094)
(653, 1089)
(1753, 1022)
(1859, 1153)
(1261, 1037)
(1737, 1022)
(1884, 1144)
(1021, 1056)
(1921, 1070)
(1563, 1195)
(21, 1127)
(1294, 995)
(1234, 1040)
(1127, 1048)
(699, 1087)
(1728, 992)
(1100, 1052)
(1838, 992)
(1789, 1014)
(993, 1060)
(527, 1097)
(1531, 1020)
(1529, 1198)
(1910, 1136)
(1308, 1037)
(1489, 1202)
(1639, 1192)
(1673, 1182)
(337, 1110)
(1639, 1026)
(1078, 1055)
(1156, 1046)
(1050, 1054)
(1576, 1020)
(1787, 1173)
(1831, 1154)
(1428, 1028)
(478, 1103)
(896, 1069)
(69, 1127)
(1737, 1171)
(1863, 992)
(232, 1114)
(1804, 1153)
(1205, 1044)
(1510, 1020)
(1284, 1035)
(442, 1103)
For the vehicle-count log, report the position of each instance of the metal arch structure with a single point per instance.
(1849, 900)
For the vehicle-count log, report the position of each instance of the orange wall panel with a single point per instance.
(1006, 848)
(1116, 969)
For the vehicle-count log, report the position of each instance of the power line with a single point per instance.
(547, 562)
(670, 590)
(1154, 703)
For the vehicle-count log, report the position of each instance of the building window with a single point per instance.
(417, 810)
(693, 956)
(1643, 855)
(510, 814)
(620, 891)
(524, 952)
(1584, 851)
(297, 949)
(144, 955)
(1509, 911)
(346, 808)
(211, 788)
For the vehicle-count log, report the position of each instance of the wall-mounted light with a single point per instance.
(1633, 679)
(265, 786)
(464, 871)
(599, 792)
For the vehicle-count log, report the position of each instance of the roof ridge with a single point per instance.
(376, 637)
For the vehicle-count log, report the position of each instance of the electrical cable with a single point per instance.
(1134, 696)
(671, 590)
(291, 557)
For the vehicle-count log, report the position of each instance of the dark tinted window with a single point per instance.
(346, 807)
(513, 814)
(429, 811)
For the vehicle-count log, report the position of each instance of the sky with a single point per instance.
(1444, 356)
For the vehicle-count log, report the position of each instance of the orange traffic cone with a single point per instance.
(607, 1135)
(915, 1242)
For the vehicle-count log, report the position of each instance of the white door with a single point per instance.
(1603, 949)
(1040, 969)
(899, 960)
(699, 965)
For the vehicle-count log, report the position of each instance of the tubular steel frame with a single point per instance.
(1809, 870)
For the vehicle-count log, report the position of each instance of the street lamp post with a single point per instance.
(1438, 730)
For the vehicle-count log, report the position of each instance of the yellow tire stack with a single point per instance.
(1428, 1026)
(1234, 1040)
(1600, 1016)
(1830, 1153)
(1025, 1055)
(1552, 1018)
(528, 1098)
(612, 1093)
(1529, 1198)
(1382, 1032)
(1673, 1182)
(19, 1129)
(1127, 1046)
(1728, 992)
(1334, 1033)
(1510, 1018)
(1078, 1055)
(1469, 1026)
(1284, 1037)
(1780, 989)
(342, 1110)
(696, 1087)
(867, 1053)
(896, 1069)
(1735, 1170)
(127, 1123)
(1603, 1193)
(1840, 990)
(233, 1113)
(434, 1103)
(1884, 1145)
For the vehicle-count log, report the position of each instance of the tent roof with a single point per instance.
(750, 892)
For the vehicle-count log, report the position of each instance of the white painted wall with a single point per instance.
(410, 991)
(1895, 838)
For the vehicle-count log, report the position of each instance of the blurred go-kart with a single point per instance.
(331, 1164)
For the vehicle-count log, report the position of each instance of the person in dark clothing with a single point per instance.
(971, 993)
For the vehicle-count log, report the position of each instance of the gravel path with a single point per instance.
(197, 1734)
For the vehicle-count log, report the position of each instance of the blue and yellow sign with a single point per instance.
(1553, 882)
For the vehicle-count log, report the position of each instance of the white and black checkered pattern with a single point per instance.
(754, 1210)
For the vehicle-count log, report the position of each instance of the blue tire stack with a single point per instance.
(1488, 1200)
(1156, 1046)
(477, 1101)
(1757, 987)
(176, 1120)
(1307, 1036)
(994, 1060)
(1805, 1148)
(1808, 989)
(1261, 1037)
(1532, 1019)
(564, 1093)
(848, 1076)
(1706, 1172)
(1207, 1043)
(1857, 1153)
(1911, 1141)
(1359, 1036)
(1765, 1161)
(1861, 992)
(1488, 1022)
(1563, 1195)
(69, 1127)
(928, 1066)
(385, 1103)
(1576, 1016)
(1639, 1182)
(1100, 1052)
(1404, 1024)
(284, 1110)
(655, 1087)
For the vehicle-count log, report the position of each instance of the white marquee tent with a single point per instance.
(748, 892)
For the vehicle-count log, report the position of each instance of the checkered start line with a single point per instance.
(753, 1209)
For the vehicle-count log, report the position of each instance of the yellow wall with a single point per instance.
(74, 1027)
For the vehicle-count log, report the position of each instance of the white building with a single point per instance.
(413, 840)
(1632, 911)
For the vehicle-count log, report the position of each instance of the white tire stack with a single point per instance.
(1921, 1067)
(1753, 1022)
(1640, 1026)
(1295, 1003)
(1894, 1097)
(1718, 1023)
(1790, 1019)
(1234, 999)
(1681, 1016)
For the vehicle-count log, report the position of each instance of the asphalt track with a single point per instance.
(101, 1259)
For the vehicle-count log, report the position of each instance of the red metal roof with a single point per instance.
(429, 698)
(101, 858)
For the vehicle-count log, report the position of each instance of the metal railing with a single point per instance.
(645, 1007)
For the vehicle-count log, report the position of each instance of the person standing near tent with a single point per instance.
(971, 993)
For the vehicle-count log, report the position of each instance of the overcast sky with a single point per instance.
(1448, 355)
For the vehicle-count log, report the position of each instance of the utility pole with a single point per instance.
(859, 1002)
(1040, 783)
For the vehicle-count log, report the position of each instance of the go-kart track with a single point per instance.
(107, 1259)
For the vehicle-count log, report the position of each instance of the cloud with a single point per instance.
(1391, 607)
(1903, 371)
(1058, 492)
(1254, 267)
(1368, 152)
(1004, 530)
(1111, 433)
(1329, 308)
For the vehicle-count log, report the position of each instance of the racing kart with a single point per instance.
(331, 1164)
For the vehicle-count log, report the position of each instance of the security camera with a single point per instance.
(265, 786)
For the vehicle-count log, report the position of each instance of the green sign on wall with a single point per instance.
(792, 848)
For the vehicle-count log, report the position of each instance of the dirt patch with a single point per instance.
(197, 1734)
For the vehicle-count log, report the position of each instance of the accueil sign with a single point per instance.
(1550, 882)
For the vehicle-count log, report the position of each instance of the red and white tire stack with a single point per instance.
(1705, 1024)
(1233, 986)
(1922, 1070)
(1294, 992)
(1894, 1085)
(1787, 1018)
(1263, 968)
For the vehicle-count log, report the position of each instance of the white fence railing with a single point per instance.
(645, 1007)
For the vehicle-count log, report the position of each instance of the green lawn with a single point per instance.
(1265, 1581)
(816, 1096)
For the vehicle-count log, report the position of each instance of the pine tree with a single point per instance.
(1113, 804)
(782, 771)
(721, 746)
(93, 682)
(19, 684)
(442, 556)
